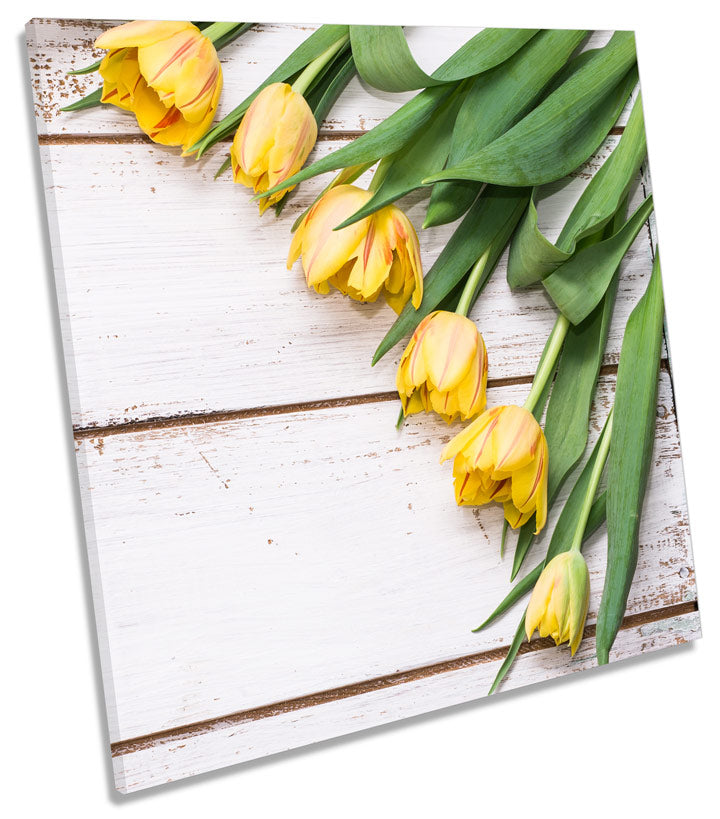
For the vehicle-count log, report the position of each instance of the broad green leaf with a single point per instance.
(631, 448)
(485, 229)
(385, 138)
(579, 284)
(532, 256)
(427, 151)
(564, 130)
(384, 60)
(496, 101)
(318, 42)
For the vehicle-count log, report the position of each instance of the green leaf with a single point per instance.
(385, 138)
(384, 60)
(510, 658)
(427, 151)
(231, 35)
(577, 286)
(485, 229)
(630, 455)
(532, 256)
(318, 42)
(563, 131)
(496, 101)
(89, 69)
(334, 81)
(90, 101)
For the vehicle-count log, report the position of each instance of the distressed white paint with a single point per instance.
(246, 562)
(168, 321)
(232, 743)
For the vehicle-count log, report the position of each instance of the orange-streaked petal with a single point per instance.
(141, 33)
(449, 349)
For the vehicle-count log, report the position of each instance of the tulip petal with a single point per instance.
(295, 137)
(470, 435)
(325, 250)
(197, 86)
(449, 349)
(142, 33)
(471, 392)
(375, 256)
(515, 441)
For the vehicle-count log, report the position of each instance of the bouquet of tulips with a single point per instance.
(511, 111)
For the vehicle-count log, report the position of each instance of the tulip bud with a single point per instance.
(559, 602)
(502, 456)
(444, 368)
(273, 141)
(379, 254)
(167, 73)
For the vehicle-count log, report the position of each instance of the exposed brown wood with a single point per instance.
(129, 746)
(138, 138)
(80, 433)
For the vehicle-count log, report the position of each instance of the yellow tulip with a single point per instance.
(502, 456)
(167, 73)
(273, 141)
(379, 254)
(444, 368)
(559, 602)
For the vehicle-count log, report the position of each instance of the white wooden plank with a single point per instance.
(164, 320)
(242, 563)
(229, 744)
(57, 46)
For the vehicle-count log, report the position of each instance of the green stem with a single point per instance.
(547, 363)
(595, 475)
(217, 30)
(305, 80)
(471, 284)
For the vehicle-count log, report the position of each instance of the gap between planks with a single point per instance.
(139, 139)
(140, 743)
(220, 416)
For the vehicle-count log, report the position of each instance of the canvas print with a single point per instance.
(370, 390)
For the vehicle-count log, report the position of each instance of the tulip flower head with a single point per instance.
(444, 368)
(273, 141)
(502, 456)
(378, 255)
(167, 73)
(559, 602)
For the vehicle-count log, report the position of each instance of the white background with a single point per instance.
(639, 738)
